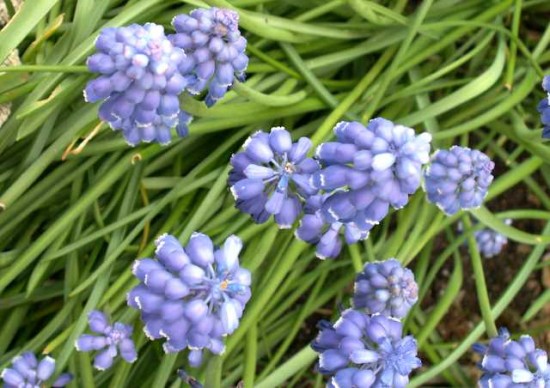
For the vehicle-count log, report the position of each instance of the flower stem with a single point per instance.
(44, 68)
(479, 276)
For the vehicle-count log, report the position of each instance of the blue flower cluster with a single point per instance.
(382, 163)
(26, 371)
(111, 340)
(366, 347)
(508, 363)
(458, 178)
(544, 108)
(385, 287)
(139, 81)
(143, 71)
(193, 296)
(348, 187)
(351, 184)
(490, 242)
(361, 350)
(272, 176)
(214, 48)
(364, 172)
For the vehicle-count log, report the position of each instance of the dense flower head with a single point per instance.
(362, 350)
(139, 81)
(508, 363)
(458, 178)
(26, 371)
(111, 340)
(544, 108)
(318, 227)
(271, 175)
(381, 164)
(490, 242)
(364, 172)
(193, 296)
(386, 288)
(215, 50)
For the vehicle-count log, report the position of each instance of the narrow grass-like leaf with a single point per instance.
(21, 24)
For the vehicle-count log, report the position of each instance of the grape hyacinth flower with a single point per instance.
(458, 178)
(360, 350)
(26, 371)
(508, 363)
(544, 108)
(490, 242)
(272, 176)
(381, 164)
(215, 51)
(111, 340)
(367, 170)
(317, 227)
(139, 82)
(193, 296)
(386, 288)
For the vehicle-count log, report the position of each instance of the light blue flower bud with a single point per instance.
(458, 178)
(386, 288)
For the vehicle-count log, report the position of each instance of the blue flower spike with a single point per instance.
(215, 51)
(192, 296)
(381, 163)
(509, 363)
(139, 82)
(362, 350)
(489, 242)
(364, 172)
(458, 179)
